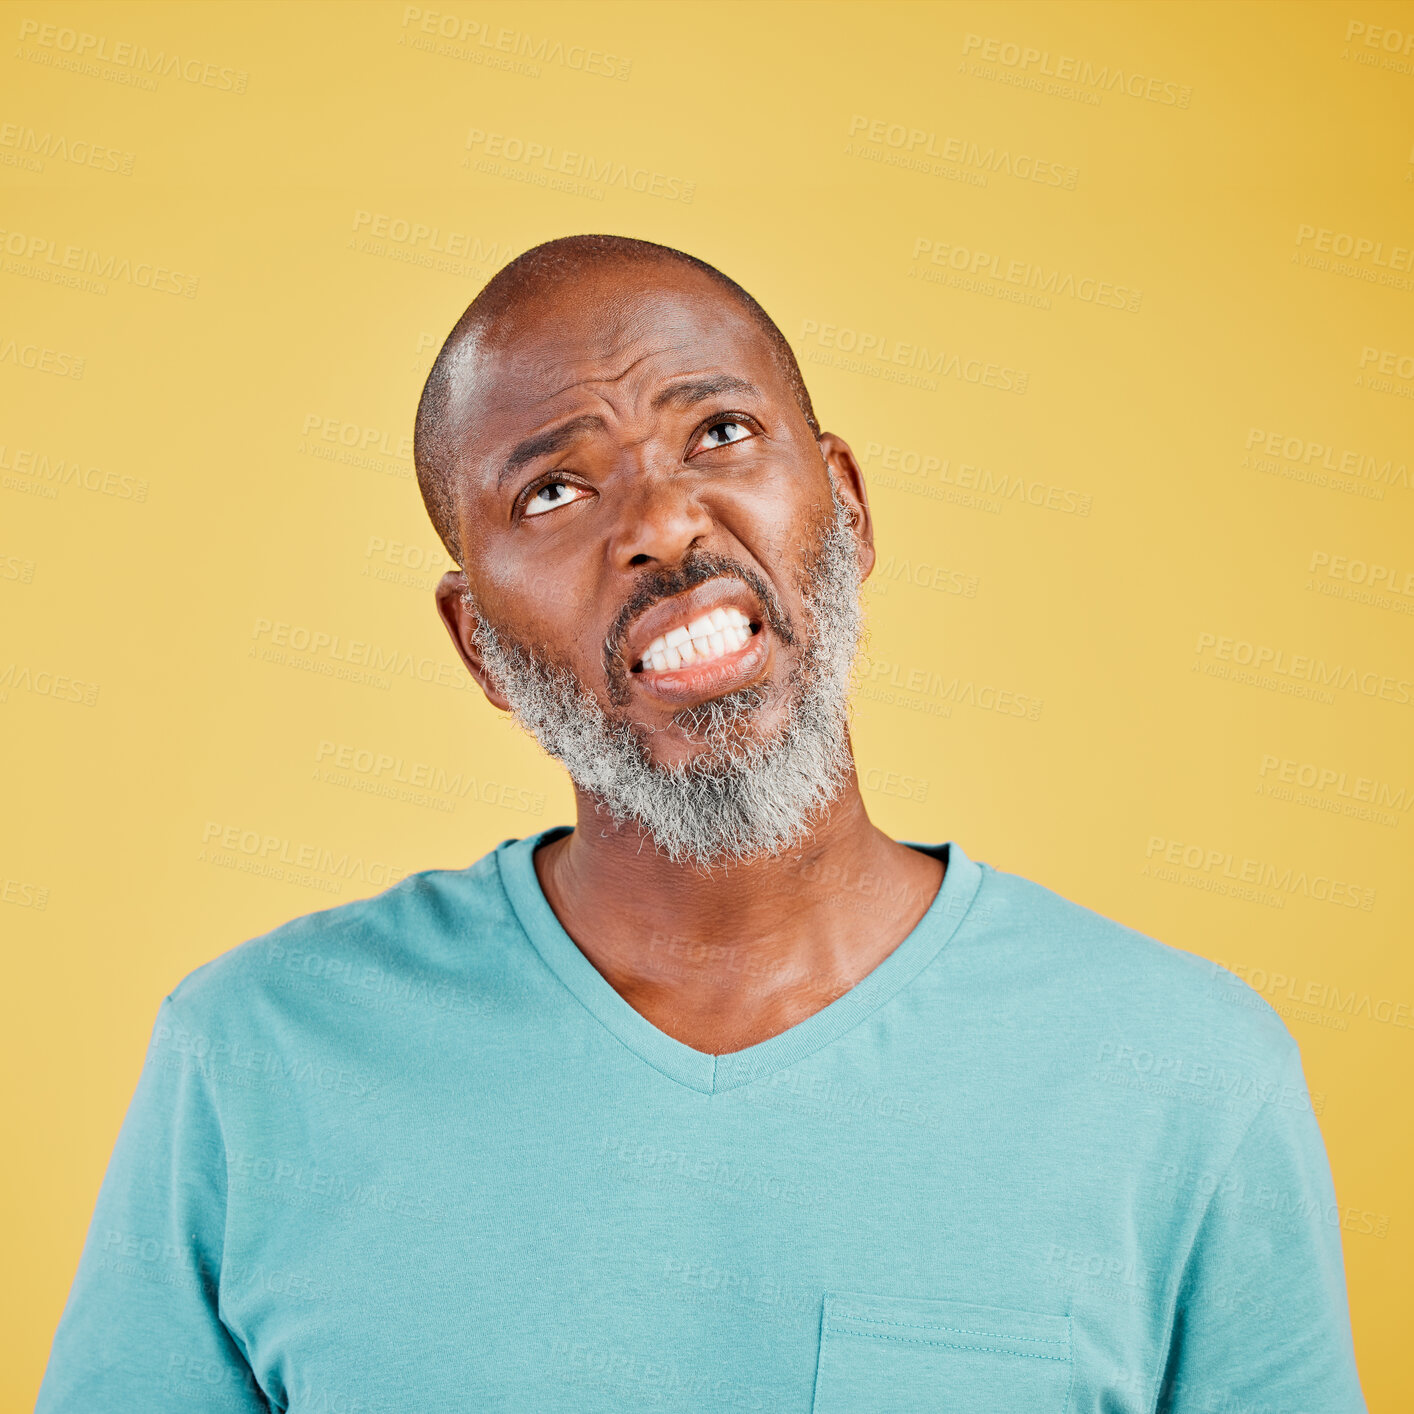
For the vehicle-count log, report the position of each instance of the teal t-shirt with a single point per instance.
(416, 1154)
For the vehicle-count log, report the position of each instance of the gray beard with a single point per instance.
(739, 797)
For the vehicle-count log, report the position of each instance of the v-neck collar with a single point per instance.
(699, 1070)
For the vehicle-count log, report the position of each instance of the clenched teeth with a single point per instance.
(712, 636)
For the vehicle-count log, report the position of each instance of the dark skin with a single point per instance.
(724, 960)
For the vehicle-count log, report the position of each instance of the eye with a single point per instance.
(723, 433)
(550, 495)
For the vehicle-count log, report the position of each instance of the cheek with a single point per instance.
(539, 605)
(771, 521)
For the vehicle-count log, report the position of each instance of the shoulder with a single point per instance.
(424, 935)
(1138, 1003)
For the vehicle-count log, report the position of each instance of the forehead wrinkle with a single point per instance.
(622, 329)
(683, 388)
(682, 391)
(610, 377)
(696, 388)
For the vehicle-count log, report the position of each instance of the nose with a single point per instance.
(658, 524)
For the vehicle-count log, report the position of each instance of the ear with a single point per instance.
(850, 478)
(460, 624)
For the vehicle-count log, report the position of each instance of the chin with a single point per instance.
(734, 747)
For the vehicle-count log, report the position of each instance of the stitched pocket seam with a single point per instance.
(953, 1345)
(836, 1316)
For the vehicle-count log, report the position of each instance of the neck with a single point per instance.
(723, 958)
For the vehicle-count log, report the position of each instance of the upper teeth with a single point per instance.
(722, 631)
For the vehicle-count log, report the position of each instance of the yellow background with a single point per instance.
(1132, 534)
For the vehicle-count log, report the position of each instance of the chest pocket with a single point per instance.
(913, 1355)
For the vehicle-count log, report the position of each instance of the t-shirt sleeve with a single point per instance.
(141, 1330)
(1262, 1319)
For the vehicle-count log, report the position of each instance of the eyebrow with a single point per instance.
(677, 395)
(546, 444)
(698, 390)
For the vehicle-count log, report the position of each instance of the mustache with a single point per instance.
(659, 584)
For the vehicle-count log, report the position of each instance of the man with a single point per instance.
(721, 1099)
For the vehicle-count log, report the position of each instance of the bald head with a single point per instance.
(609, 267)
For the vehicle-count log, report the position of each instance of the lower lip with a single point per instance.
(695, 681)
